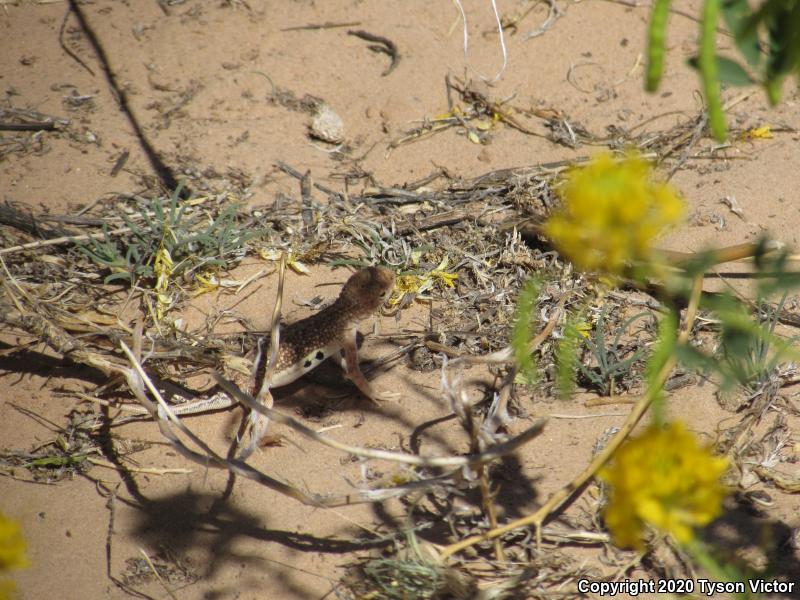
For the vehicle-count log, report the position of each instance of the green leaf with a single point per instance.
(728, 71)
(777, 275)
(738, 15)
(784, 45)
(57, 461)
(114, 276)
(732, 73)
(693, 359)
(779, 34)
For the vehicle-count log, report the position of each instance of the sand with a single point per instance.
(198, 77)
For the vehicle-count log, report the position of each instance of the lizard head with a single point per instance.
(367, 290)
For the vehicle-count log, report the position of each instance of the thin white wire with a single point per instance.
(502, 39)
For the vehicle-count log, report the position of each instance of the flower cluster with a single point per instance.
(611, 211)
(12, 553)
(419, 284)
(666, 479)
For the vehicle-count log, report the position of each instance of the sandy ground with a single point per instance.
(198, 76)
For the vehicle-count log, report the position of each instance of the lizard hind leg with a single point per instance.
(353, 371)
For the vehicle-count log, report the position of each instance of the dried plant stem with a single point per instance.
(486, 456)
(157, 575)
(557, 499)
(139, 383)
(483, 480)
(63, 240)
(258, 423)
(144, 470)
(488, 507)
(506, 355)
(137, 380)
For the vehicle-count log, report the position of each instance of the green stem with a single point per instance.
(708, 69)
(655, 44)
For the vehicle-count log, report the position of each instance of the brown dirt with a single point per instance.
(197, 75)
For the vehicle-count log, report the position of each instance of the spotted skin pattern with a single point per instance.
(306, 343)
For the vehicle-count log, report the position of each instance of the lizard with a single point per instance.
(330, 332)
(305, 344)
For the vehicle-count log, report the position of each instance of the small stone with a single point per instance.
(327, 125)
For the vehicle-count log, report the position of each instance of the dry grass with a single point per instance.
(92, 290)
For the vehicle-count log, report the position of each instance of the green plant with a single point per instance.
(667, 479)
(522, 332)
(749, 351)
(568, 355)
(412, 575)
(192, 238)
(767, 37)
(614, 359)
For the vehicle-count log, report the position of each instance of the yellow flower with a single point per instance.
(663, 478)
(12, 553)
(445, 277)
(6, 590)
(12, 545)
(206, 282)
(163, 268)
(419, 284)
(758, 133)
(405, 284)
(611, 211)
(293, 261)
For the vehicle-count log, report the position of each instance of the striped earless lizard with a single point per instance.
(303, 345)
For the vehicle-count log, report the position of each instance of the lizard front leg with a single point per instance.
(353, 371)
